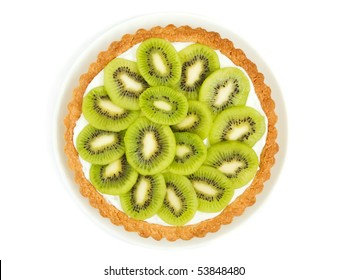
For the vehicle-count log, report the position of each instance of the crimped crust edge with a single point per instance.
(267, 157)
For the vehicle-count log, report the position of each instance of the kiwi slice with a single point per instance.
(98, 146)
(198, 61)
(213, 189)
(224, 88)
(180, 203)
(149, 147)
(198, 120)
(163, 105)
(190, 153)
(102, 113)
(239, 123)
(114, 178)
(145, 198)
(235, 160)
(158, 62)
(123, 83)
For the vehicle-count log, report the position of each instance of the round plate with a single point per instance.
(81, 66)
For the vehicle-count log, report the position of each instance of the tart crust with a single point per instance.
(267, 157)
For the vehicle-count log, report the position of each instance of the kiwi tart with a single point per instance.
(167, 144)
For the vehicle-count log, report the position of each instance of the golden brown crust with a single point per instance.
(267, 158)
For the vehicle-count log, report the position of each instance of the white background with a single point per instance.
(297, 229)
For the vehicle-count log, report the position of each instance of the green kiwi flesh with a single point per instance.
(163, 105)
(224, 88)
(158, 62)
(235, 160)
(145, 198)
(190, 153)
(123, 83)
(98, 146)
(115, 178)
(240, 123)
(198, 61)
(198, 120)
(102, 113)
(149, 147)
(170, 134)
(180, 203)
(213, 189)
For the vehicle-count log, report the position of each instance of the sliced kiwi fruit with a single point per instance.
(198, 61)
(213, 189)
(123, 83)
(114, 178)
(224, 88)
(180, 203)
(98, 146)
(239, 123)
(158, 62)
(145, 198)
(163, 105)
(198, 120)
(190, 153)
(102, 113)
(235, 160)
(149, 147)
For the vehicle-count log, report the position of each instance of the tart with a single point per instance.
(168, 90)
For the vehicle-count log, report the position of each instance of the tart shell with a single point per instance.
(267, 157)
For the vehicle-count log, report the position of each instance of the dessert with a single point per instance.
(168, 137)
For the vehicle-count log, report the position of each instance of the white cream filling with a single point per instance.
(252, 101)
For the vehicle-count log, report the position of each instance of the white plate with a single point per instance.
(81, 66)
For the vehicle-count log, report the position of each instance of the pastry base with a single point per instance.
(267, 157)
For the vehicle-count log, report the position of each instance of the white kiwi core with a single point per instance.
(174, 200)
(224, 93)
(110, 107)
(194, 72)
(159, 64)
(130, 83)
(102, 141)
(205, 188)
(237, 132)
(150, 145)
(141, 191)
